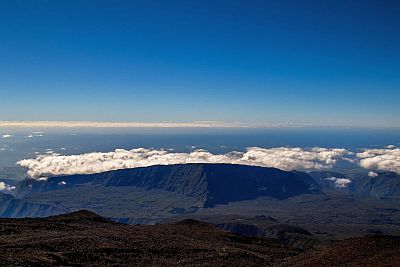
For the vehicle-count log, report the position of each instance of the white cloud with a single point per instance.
(6, 187)
(386, 159)
(340, 182)
(7, 136)
(34, 134)
(372, 174)
(285, 158)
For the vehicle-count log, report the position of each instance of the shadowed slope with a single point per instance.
(209, 184)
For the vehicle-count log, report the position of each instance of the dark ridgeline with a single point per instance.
(384, 185)
(211, 184)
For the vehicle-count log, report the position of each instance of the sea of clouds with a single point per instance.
(285, 158)
(387, 159)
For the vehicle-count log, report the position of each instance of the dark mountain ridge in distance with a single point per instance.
(208, 184)
(83, 238)
(385, 185)
(11, 207)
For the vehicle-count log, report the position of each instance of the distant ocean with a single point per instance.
(24, 144)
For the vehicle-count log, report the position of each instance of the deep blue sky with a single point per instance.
(321, 62)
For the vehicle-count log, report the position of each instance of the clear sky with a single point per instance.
(321, 62)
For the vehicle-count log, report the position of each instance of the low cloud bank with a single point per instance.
(386, 159)
(286, 158)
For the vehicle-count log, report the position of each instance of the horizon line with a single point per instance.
(194, 124)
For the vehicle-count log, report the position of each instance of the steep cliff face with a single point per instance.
(31, 186)
(228, 183)
(185, 179)
(361, 185)
(383, 185)
(211, 184)
(331, 180)
(11, 207)
(188, 180)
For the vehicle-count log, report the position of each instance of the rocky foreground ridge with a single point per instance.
(83, 238)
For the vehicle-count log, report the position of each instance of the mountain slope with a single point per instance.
(329, 179)
(11, 207)
(85, 239)
(210, 184)
(359, 251)
(384, 185)
(289, 235)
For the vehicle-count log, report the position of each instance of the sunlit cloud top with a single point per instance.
(285, 158)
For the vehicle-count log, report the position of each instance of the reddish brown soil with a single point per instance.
(85, 239)
(359, 251)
